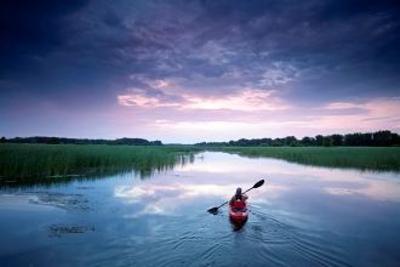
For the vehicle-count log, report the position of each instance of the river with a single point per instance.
(302, 216)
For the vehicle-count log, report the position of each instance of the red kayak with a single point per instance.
(238, 212)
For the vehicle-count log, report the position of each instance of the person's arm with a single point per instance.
(244, 196)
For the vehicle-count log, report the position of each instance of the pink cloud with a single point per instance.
(342, 105)
(246, 100)
(169, 95)
(247, 112)
(137, 97)
(379, 113)
(383, 113)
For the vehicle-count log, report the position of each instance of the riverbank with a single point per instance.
(364, 158)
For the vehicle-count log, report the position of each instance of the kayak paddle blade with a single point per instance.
(259, 183)
(213, 211)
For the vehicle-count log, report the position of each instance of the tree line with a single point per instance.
(63, 140)
(379, 138)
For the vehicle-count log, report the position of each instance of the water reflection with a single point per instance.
(302, 216)
(217, 175)
(146, 170)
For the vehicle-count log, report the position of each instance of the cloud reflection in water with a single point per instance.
(214, 178)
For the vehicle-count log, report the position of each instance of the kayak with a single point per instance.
(238, 216)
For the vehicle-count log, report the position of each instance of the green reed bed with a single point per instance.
(36, 160)
(365, 158)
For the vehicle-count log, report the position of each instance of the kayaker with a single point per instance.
(238, 201)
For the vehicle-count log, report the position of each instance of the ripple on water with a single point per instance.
(282, 243)
(193, 243)
(180, 242)
(202, 240)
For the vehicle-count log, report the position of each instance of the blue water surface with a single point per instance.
(302, 216)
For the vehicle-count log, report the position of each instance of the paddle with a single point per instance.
(214, 210)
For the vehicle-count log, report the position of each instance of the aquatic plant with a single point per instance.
(21, 161)
(364, 158)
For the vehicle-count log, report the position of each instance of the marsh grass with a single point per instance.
(364, 158)
(38, 163)
(25, 161)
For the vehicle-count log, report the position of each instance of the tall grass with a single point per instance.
(364, 158)
(29, 163)
(34, 160)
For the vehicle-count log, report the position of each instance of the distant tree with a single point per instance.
(306, 141)
(201, 144)
(53, 140)
(265, 142)
(242, 142)
(327, 141)
(62, 140)
(396, 139)
(290, 141)
(319, 140)
(156, 143)
(382, 138)
(366, 139)
(337, 139)
(354, 139)
(3, 140)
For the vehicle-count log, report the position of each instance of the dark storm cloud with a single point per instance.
(300, 48)
(31, 29)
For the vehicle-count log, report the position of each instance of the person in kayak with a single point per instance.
(238, 201)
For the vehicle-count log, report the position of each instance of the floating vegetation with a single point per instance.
(59, 230)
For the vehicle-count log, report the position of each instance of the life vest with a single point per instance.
(238, 204)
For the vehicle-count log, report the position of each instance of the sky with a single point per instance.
(191, 71)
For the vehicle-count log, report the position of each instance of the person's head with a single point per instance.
(238, 194)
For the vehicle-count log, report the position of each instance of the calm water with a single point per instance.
(302, 216)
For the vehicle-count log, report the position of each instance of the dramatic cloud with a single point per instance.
(162, 95)
(258, 68)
